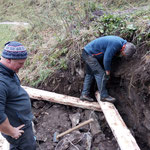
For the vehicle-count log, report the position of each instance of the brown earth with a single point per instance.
(129, 84)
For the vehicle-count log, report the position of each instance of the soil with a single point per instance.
(54, 119)
(129, 84)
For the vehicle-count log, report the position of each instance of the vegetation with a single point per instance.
(59, 29)
(6, 34)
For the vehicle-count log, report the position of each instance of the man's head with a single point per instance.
(14, 50)
(14, 55)
(129, 50)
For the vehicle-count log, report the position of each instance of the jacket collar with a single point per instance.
(6, 70)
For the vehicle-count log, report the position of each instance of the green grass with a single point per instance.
(6, 34)
(59, 29)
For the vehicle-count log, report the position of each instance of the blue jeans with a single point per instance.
(94, 70)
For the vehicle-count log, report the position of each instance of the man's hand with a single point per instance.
(108, 73)
(8, 129)
(17, 132)
(107, 76)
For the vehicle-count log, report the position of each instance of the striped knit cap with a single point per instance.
(14, 50)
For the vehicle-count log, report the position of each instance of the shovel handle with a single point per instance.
(74, 128)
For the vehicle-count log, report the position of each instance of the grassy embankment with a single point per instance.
(59, 29)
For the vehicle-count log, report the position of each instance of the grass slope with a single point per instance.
(59, 29)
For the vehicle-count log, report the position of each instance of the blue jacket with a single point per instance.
(14, 100)
(105, 48)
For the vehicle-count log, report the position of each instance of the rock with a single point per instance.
(75, 118)
(74, 141)
(95, 126)
(88, 140)
(38, 104)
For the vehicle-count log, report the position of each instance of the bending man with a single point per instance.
(102, 49)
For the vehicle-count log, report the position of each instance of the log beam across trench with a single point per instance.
(61, 99)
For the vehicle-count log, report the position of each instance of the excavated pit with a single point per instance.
(52, 118)
(129, 84)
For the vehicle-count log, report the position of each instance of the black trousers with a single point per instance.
(25, 142)
(94, 70)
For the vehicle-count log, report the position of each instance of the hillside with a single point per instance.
(56, 34)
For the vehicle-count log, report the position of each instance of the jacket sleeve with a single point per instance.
(3, 97)
(108, 55)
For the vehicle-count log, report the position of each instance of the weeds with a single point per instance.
(60, 29)
(109, 24)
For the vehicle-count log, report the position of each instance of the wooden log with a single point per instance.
(61, 99)
(119, 129)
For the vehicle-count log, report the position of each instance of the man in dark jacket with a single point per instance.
(15, 106)
(102, 49)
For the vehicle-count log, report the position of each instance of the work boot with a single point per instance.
(87, 98)
(108, 99)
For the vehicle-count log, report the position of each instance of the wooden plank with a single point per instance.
(61, 99)
(119, 129)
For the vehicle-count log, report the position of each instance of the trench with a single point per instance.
(128, 84)
(51, 117)
(133, 111)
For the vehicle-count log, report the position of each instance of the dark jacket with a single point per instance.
(14, 100)
(105, 48)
